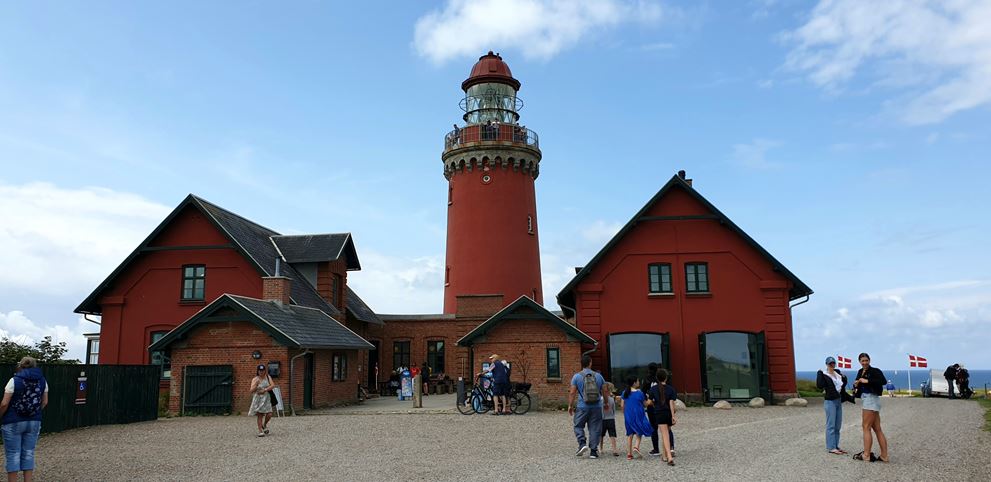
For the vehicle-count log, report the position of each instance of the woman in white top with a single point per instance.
(833, 385)
(261, 403)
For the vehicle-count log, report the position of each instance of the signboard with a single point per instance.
(278, 396)
(81, 389)
(405, 385)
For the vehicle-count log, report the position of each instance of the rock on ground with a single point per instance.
(722, 405)
(796, 402)
(756, 402)
(679, 405)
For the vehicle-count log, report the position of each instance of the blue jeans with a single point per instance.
(592, 416)
(834, 421)
(19, 440)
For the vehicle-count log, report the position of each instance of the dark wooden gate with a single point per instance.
(207, 389)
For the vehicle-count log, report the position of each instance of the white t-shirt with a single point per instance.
(10, 386)
(837, 380)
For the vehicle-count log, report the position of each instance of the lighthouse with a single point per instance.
(491, 163)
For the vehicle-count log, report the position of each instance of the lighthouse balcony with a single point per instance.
(481, 134)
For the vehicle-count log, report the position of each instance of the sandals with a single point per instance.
(860, 456)
(636, 453)
(629, 456)
(836, 452)
(671, 462)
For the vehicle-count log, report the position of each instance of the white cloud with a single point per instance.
(539, 29)
(60, 241)
(18, 327)
(754, 154)
(392, 284)
(600, 232)
(936, 54)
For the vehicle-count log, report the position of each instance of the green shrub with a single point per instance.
(807, 388)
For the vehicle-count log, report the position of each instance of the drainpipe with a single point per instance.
(806, 300)
(86, 317)
(575, 311)
(292, 365)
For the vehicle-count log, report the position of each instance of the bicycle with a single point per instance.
(480, 398)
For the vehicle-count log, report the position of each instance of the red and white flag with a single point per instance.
(917, 362)
(843, 362)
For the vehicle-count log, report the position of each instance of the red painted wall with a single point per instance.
(746, 294)
(145, 296)
(489, 250)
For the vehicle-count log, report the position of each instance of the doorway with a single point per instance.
(308, 381)
(373, 367)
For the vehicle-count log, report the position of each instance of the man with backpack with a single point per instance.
(589, 388)
(25, 395)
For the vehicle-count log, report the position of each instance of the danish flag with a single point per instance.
(843, 362)
(917, 362)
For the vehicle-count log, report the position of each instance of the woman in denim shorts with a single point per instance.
(868, 388)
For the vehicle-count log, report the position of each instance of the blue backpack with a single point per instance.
(29, 403)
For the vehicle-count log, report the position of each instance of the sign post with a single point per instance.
(81, 389)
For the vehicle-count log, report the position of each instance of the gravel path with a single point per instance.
(931, 439)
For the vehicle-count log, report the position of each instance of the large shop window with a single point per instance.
(630, 353)
(339, 369)
(193, 282)
(400, 354)
(734, 365)
(162, 358)
(435, 356)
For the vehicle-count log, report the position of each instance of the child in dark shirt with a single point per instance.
(663, 396)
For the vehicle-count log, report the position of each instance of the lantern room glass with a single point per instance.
(490, 101)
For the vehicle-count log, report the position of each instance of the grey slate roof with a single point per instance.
(533, 311)
(290, 325)
(315, 248)
(254, 238)
(308, 327)
(358, 309)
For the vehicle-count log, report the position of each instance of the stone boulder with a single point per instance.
(679, 405)
(722, 405)
(756, 402)
(796, 402)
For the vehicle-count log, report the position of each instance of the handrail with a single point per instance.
(495, 132)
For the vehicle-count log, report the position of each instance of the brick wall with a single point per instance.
(325, 284)
(418, 332)
(520, 341)
(230, 343)
(276, 288)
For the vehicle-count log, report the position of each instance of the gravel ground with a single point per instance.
(930, 439)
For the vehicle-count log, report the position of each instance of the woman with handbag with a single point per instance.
(868, 387)
(261, 399)
(833, 385)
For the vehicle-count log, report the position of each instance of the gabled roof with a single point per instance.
(290, 325)
(566, 296)
(250, 239)
(316, 248)
(536, 312)
(359, 310)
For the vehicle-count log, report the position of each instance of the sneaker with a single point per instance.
(266, 430)
(594, 454)
(581, 450)
(654, 453)
(261, 434)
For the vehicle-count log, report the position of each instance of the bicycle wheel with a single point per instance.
(465, 407)
(520, 403)
(478, 403)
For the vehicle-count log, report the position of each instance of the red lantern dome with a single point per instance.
(490, 68)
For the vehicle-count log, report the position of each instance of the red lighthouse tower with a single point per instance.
(491, 164)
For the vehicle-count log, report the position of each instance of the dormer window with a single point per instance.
(193, 282)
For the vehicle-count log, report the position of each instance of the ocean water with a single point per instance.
(900, 377)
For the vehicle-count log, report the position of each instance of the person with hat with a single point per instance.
(499, 369)
(261, 399)
(833, 384)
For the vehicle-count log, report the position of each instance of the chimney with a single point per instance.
(276, 288)
(681, 174)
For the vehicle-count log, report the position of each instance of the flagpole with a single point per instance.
(910, 376)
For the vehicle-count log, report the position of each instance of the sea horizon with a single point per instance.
(978, 377)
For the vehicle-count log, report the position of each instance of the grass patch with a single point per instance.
(807, 388)
(987, 412)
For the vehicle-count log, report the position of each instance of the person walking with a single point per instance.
(868, 387)
(609, 419)
(951, 376)
(261, 399)
(499, 369)
(832, 382)
(663, 396)
(635, 415)
(24, 397)
(588, 387)
(648, 382)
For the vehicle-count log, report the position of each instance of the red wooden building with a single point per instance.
(682, 285)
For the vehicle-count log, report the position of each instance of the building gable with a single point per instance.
(523, 308)
(681, 202)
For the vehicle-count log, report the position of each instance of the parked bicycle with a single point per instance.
(479, 399)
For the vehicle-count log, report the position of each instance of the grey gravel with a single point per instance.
(931, 439)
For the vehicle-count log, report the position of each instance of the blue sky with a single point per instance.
(852, 144)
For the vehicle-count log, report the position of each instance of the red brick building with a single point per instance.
(682, 285)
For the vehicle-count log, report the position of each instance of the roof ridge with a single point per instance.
(311, 234)
(232, 213)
